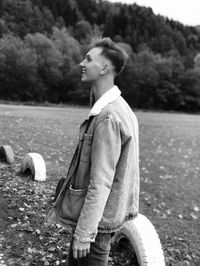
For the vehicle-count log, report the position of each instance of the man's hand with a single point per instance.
(80, 249)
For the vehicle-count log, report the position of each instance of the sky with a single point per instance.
(184, 11)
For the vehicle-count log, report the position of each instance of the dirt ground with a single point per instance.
(170, 172)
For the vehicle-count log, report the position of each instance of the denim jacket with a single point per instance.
(108, 169)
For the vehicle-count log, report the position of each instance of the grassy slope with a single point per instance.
(169, 154)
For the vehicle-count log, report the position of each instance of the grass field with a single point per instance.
(170, 182)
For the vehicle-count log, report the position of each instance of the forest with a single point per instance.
(42, 42)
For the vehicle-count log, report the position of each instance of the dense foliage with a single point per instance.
(42, 41)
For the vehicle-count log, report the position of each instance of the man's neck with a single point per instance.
(100, 88)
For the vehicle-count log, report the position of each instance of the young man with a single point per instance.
(108, 166)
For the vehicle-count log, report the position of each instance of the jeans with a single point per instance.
(99, 253)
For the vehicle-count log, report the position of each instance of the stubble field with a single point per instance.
(170, 182)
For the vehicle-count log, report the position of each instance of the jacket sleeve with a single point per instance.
(106, 148)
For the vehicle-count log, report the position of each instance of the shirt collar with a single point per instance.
(108, 97)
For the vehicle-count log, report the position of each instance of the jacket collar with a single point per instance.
(108, 97)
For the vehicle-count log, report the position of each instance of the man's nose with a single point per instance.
(81, 63)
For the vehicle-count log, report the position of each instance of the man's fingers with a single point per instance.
(80, 250)
(88, 250)
(79, 253)
(75, 253)
(84, 253)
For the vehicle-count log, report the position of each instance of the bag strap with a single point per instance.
(88, 124)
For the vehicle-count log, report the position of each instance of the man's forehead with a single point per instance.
(95, 51)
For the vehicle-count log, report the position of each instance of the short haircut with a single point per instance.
(113, 52)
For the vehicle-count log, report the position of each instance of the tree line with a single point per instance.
(42, 42)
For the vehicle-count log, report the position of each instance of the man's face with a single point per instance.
(92, 65)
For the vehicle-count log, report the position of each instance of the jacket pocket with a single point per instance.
(72, 203)
(86, 148)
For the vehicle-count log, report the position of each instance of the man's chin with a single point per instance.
(85, 80)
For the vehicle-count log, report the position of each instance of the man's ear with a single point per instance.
(104, 70)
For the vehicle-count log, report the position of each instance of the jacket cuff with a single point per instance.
(84, 237)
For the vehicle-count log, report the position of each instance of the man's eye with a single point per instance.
(89, 59)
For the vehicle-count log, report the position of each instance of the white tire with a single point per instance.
(35, 163)
(7, 154)
(144, 240)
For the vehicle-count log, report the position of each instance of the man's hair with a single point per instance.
(113, 52)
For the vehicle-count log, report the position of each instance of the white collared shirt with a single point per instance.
(108, 97)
